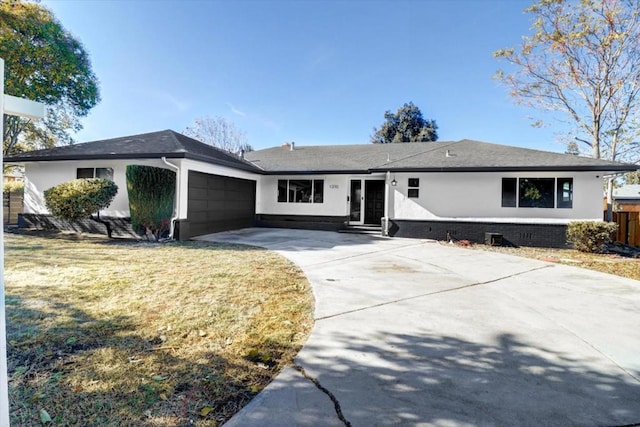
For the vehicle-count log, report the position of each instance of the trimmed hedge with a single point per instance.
(79, 198)
(151, 193)
(591, 236)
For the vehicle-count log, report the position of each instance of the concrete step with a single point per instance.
(362, 229)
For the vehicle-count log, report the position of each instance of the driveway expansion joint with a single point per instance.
(382, 304)
(326, 391)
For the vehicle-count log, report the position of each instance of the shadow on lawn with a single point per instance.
(408, 379)
(88, 371)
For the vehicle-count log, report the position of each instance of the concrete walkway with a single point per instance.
(413, 332)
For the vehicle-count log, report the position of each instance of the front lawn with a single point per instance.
(119, 333)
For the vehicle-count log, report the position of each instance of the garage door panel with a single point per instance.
(198, 205)
(197, 193)
(217, 203)
(198, 180)
(215, 194)
(215, 183)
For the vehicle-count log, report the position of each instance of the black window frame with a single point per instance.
(413, 188)
(305, 191)
(537, 192)
(564, 197)
(510, 187)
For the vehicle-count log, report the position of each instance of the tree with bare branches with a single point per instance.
(219, 132)
(583, 59)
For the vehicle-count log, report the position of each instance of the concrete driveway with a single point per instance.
(413, 332)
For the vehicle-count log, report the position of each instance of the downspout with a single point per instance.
(385, 230)
(177, 211)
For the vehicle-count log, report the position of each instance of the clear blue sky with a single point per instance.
(313, 72)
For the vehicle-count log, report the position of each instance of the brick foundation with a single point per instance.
(537, 235)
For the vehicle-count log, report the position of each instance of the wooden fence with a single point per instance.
(12, 206)
(628, 227)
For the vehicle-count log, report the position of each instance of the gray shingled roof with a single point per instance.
(465, 155)
(166, 143)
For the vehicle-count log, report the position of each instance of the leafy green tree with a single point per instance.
(151, 193)
(405, 125)
(80, 199)
(45, 63)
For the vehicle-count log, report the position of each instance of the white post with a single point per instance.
(17, 107)
(385, 230)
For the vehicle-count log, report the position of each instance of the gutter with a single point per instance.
(177, 211)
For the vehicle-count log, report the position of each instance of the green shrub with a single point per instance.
(591, 236)
(13, 187)
(79, 198)
(151, 192)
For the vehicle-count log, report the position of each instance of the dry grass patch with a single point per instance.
(133, 334)
(612, 264)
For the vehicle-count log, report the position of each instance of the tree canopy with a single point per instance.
(45, 63)
(219, 132)
(632, 178)
(583, 60)
(405, 125)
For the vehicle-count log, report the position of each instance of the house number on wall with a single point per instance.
(334, 186)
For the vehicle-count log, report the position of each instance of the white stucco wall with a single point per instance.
(40, 176)
(478, 196)
(336, 190)
(43, 175)
(446, 196)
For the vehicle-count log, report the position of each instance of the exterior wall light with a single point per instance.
(394, 182)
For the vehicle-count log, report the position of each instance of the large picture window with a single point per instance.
(536, 193)
(545, 193)
(301, 190)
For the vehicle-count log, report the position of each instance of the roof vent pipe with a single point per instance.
(293, 146)
(242, 153)
(448, 154)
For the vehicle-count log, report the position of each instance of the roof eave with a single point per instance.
(127, 156)
(317, 172)
(607, 168)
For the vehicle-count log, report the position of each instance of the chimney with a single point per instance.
(286, 145)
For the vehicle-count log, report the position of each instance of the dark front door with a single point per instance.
(374, 202)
